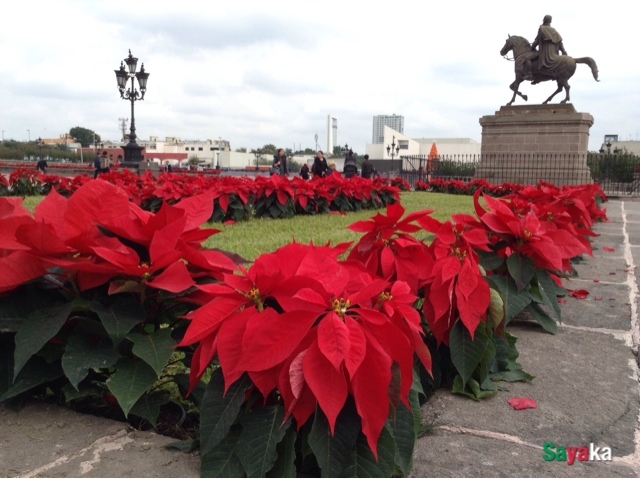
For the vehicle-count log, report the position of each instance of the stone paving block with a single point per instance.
(584, 385)
(445, 454)
(607, 305)
(96, 447)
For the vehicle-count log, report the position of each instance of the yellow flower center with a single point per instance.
(527, 234)
(460, 253)
(340, 306)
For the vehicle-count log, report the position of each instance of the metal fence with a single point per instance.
(617, 173)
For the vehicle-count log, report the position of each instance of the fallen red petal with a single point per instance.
(597, 298)
(608, 248)
(596, 280)
(519, 403)
(229, 222)
(562, 300)
(578, 293)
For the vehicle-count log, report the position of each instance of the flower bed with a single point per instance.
(302, 363)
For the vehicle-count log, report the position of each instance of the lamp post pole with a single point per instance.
(393, 150)
(39, 142)
(257, 153)
(132, 151)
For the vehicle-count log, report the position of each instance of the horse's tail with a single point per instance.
(592, 64)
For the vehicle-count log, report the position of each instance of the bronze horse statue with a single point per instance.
(561, 73)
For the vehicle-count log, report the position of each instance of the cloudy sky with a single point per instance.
(257, 72)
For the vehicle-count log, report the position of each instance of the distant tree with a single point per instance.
(269, 149)
(309, 151)
(194, 160)
(84, 136)
(241, 150)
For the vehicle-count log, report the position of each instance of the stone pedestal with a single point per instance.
(527, 143)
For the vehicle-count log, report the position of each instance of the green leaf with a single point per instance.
(186, 445)
(542, 318)
(32, 334)
(223, 460)
(362, 463)
(6, 362)
(155, 349)
(514, 302)
(521, 269)
(148, 406)
(490, 260)
(81, 354)
(548, 292)
(403, 430)
(466, 353)
(262, 430)
(512, 376)
(496, 308)
(130, 381)
(17, 306)
(333, 452)
(35, 373)
(285, 463)
(472, 389)
(119, 318)
(218, 411)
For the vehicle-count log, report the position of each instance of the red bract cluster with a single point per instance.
(533, 232)
(314, 328)
(456, 287)
(98, 235)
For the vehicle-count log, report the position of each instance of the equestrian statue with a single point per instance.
(544, 63)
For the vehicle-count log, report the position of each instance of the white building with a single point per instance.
(463, 149)
(332, 134)
(396, 122)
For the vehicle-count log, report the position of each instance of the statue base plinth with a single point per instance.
(528, 143)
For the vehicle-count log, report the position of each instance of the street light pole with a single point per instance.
(393, 150)
(257, 153)
(132, 151)
(29, 136)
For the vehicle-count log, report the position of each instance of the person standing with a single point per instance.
(96, 166)
(304, 171)
(280, 163)
(320, 168)
(104, 163)
(350, 168)
(367, 167)
(42, 165)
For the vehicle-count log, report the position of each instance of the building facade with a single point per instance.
(395, 122)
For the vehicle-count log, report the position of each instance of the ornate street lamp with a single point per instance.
(132, 151)
(345, 150)
(393, 150)
(40, 143)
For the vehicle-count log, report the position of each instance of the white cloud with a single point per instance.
(270, 72)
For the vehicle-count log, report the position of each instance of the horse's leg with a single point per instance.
(554, 93)
(566, 86)
(514, 86)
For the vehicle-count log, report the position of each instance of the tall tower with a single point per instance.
(123, 126)
(332, 134)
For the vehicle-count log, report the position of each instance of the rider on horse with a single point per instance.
(550, 44)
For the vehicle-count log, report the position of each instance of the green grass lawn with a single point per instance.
(251, 238)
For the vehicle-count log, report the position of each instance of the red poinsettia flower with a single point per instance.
(456, 286)
(389, 250)
(314, 328)
(549, 247)
(107, 236)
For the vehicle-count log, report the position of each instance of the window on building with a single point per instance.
(199, 148)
